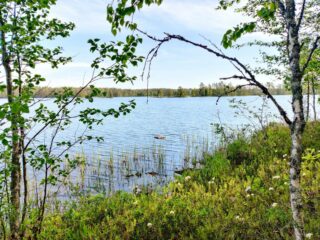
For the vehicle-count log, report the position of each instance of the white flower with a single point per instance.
(137, 190)
(284, 155)
(248, 195)
(187, 178)
(149, 225)
(239, 218)
(274, 205)
(271, 188)
(211, 182)
(252, 194)
(309, 235)
(248, 189)
(276, 177)
(171, 212)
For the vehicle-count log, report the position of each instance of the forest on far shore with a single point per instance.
(213, 90)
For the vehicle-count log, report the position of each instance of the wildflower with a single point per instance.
(274, 205)
(135, 203)
(137, 190)
(276, 177)
(309, 235)
(303, 174)
(252, 194)
(248, 195)
(187, 178)
(211, 182)
(271, 188)
(171, 212)
(239, 218)
(284, 155)
(149, 225)
(248, 189)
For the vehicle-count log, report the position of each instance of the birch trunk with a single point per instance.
(298, 124)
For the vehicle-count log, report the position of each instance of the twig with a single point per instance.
(314, 47)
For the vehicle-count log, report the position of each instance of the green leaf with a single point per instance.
(234, 34)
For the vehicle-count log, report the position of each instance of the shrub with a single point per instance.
(219, 201)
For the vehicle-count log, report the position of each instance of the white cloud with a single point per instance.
(88, 15)
(197, 15)
(200, 15)
(45, 67)
(187, 17)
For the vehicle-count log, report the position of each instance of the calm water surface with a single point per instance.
(131, 155)
(130, 147)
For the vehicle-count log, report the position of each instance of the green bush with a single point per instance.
(238, 151)
(219, 201)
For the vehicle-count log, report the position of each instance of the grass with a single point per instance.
(241, 192)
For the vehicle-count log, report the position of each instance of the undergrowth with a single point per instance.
(242, 192)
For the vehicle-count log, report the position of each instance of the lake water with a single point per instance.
(131, 155)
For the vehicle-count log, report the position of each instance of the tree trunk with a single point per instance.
(314, 99)
(298, 124)
(15, 186)
(297, 129)
(15, 166)
(295, 188)
(308, 100)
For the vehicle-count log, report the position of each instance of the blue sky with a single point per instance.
(177, 64)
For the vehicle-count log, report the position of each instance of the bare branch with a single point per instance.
(250, 78)
(216, 47)
(233, 89)
(281, 7)
(314, 47)
(301, 14)
(236, 77)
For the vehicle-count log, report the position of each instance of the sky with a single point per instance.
(177, 64)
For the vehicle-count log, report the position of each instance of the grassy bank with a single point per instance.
(242, 192)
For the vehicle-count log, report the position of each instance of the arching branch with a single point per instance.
(244, 70)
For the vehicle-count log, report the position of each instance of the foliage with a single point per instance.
(220, 201)
(25, 29)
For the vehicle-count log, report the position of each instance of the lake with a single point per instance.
(131, 155)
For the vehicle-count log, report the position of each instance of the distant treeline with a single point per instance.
(216, 89)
